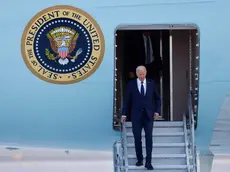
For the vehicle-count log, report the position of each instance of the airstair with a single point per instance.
(173, 146)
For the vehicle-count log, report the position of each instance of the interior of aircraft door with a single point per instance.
(174, 66)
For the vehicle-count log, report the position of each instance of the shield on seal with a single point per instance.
(63, 52)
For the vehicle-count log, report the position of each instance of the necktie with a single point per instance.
(142, 89)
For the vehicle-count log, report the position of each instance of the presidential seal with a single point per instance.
(62, 45)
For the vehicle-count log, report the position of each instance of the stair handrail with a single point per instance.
(120, 151)
(124, 145)
(191, 124)
(117, 156)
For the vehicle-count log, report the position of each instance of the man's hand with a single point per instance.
(156, 115)
(123, 118)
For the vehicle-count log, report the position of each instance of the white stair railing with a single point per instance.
(191, 134)
(124, 141)
(120, 158)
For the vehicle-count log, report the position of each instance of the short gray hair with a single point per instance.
(140, 67)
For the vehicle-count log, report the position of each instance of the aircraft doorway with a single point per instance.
(174, 65)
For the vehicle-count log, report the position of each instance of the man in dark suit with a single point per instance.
(141, 93)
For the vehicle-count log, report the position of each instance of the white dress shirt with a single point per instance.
(139, 85)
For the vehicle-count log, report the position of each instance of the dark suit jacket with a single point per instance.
(139, 102)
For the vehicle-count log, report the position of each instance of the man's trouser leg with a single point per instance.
(148, 127)
(137, 128)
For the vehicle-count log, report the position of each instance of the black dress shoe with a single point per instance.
(149, 166)
(139, 163)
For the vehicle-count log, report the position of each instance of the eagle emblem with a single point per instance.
(63, 42)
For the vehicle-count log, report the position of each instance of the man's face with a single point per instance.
(131, 75)
(141, 74)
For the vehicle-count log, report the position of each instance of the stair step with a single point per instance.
(160, 139)
(162, 145)
(162, 124)
(159, 159)
(162, 129)
(160, 168)
(130, 134)
(160, 148)
(163, 156)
